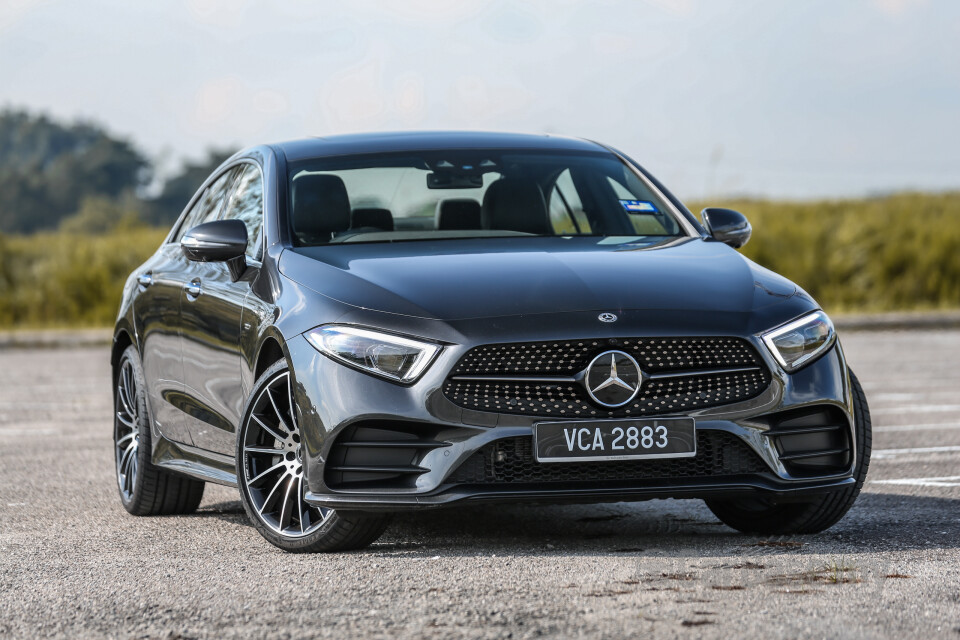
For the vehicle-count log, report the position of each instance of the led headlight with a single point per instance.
(383, 354)
(800, 341)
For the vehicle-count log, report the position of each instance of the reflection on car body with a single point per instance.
(351, 326)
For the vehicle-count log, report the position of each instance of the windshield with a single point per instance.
(471, 194)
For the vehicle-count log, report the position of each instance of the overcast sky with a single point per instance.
(782, 99)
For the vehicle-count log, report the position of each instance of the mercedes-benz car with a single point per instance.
(352, 326)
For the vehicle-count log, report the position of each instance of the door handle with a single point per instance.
(193, 288)
(145, 279)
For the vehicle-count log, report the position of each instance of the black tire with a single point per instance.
(762, 516)
(272, 484)
(145, 490)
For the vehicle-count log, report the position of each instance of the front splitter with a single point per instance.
(538, 494)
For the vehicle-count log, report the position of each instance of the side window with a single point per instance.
(208, 206)
(188, 222)
(246, 204)
(566, 208)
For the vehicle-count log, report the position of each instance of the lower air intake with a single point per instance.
(380, 455)
(813, 441)
(511, 461)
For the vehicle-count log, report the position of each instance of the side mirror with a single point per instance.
(726, 225)
(218, 241)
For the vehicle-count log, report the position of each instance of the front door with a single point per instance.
(211, 307)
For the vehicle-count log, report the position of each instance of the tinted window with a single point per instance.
(566, 208)
(246, 204)
(470, 194)
(208, 206)
(651, 223)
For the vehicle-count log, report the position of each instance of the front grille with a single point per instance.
(537, 379)
(511, 461)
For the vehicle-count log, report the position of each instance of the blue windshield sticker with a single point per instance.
(638, 206)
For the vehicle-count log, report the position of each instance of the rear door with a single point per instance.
(157, 323)
(211, 307)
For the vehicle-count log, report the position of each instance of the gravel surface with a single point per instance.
(74, 564)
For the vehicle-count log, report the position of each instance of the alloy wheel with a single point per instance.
(273, 463)
(126, 432)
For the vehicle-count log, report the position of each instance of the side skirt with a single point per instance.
(195, 463)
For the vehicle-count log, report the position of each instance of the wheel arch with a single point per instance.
(121, 340)
(271, 350)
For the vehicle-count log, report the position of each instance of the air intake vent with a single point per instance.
(511, 461)
(813, 441)
(380, 455)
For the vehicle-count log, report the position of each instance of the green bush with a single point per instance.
(900, 252)
(896, 253)
(67, 279)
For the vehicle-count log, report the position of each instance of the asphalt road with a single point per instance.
(74, 564)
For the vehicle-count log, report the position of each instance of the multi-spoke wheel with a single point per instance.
(127, 429)
(273, 463)
(144, 489)
(272, 484)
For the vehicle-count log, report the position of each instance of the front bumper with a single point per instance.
(332, 398)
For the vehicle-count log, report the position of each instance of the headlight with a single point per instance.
(798, 342)
(382, 354)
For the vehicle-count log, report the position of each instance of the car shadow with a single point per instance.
(878, 522)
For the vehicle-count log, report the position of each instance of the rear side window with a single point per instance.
(246, 204)
(208, 206)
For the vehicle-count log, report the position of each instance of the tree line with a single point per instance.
(79, 177)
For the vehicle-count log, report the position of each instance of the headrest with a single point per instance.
(369, 217)
(321, 207)
(458, 213)
(514, 204)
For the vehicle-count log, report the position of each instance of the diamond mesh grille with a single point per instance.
(566, 357)
(570, 400)
(511, 461)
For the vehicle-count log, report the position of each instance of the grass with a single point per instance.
(65, 279)
(834, 572)
(897, 253)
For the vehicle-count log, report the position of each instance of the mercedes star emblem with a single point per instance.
(607, 317)
(613, 378)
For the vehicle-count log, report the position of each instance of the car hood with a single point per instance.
(477, 278)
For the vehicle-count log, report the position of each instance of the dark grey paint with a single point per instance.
(201, 352)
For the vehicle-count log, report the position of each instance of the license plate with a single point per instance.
(615, 440)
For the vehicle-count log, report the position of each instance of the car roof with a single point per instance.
(400, 141)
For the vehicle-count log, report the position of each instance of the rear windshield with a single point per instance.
(471, 194)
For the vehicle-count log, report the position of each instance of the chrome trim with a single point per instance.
(482, 378)
(701, 372)
(613, 378)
